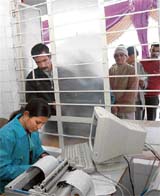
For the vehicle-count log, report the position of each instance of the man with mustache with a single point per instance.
(42, 57)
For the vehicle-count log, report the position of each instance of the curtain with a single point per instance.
(45, 31)
(139, 20)
(113, 10)
(121, 26)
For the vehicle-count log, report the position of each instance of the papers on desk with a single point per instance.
(81, 183)
(46, 164)
(88, 185)
(103, 186)
(153, 135)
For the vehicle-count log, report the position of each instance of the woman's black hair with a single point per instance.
(36, 107)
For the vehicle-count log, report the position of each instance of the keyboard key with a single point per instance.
(79, 156)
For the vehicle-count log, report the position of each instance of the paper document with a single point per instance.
(46, 164)
(103, 186)
(81, 183)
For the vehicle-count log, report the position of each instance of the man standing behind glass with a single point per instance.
(124, 83)
(132, 60)
(42, 57)
(152, 66)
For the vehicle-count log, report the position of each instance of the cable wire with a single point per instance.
(154, 152)
(130, 177)
(148, 178)
(117, 184)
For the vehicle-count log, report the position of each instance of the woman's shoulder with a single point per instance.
(9, 129)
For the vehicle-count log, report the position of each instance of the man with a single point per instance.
(155, 51)
(132, 60)
(42, 58)
(152, 66)
(123, 83)
(41, 80)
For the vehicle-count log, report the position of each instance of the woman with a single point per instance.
(20, 145)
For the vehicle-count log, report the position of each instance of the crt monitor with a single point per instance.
(111, 136)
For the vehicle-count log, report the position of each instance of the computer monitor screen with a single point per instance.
(111, 137)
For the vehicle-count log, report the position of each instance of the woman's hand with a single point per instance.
(44, 154)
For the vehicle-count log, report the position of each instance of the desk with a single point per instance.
(143, 163)
(115, 175)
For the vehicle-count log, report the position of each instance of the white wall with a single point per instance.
(8, 87)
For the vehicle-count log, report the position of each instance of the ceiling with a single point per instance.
(33, 2)
(43, 7)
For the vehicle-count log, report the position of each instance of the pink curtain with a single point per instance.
(139, 20)
(45, 32)
(113, 10)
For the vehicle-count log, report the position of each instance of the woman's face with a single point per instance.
(33, 123)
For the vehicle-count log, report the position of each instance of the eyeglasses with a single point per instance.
(119, 55)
